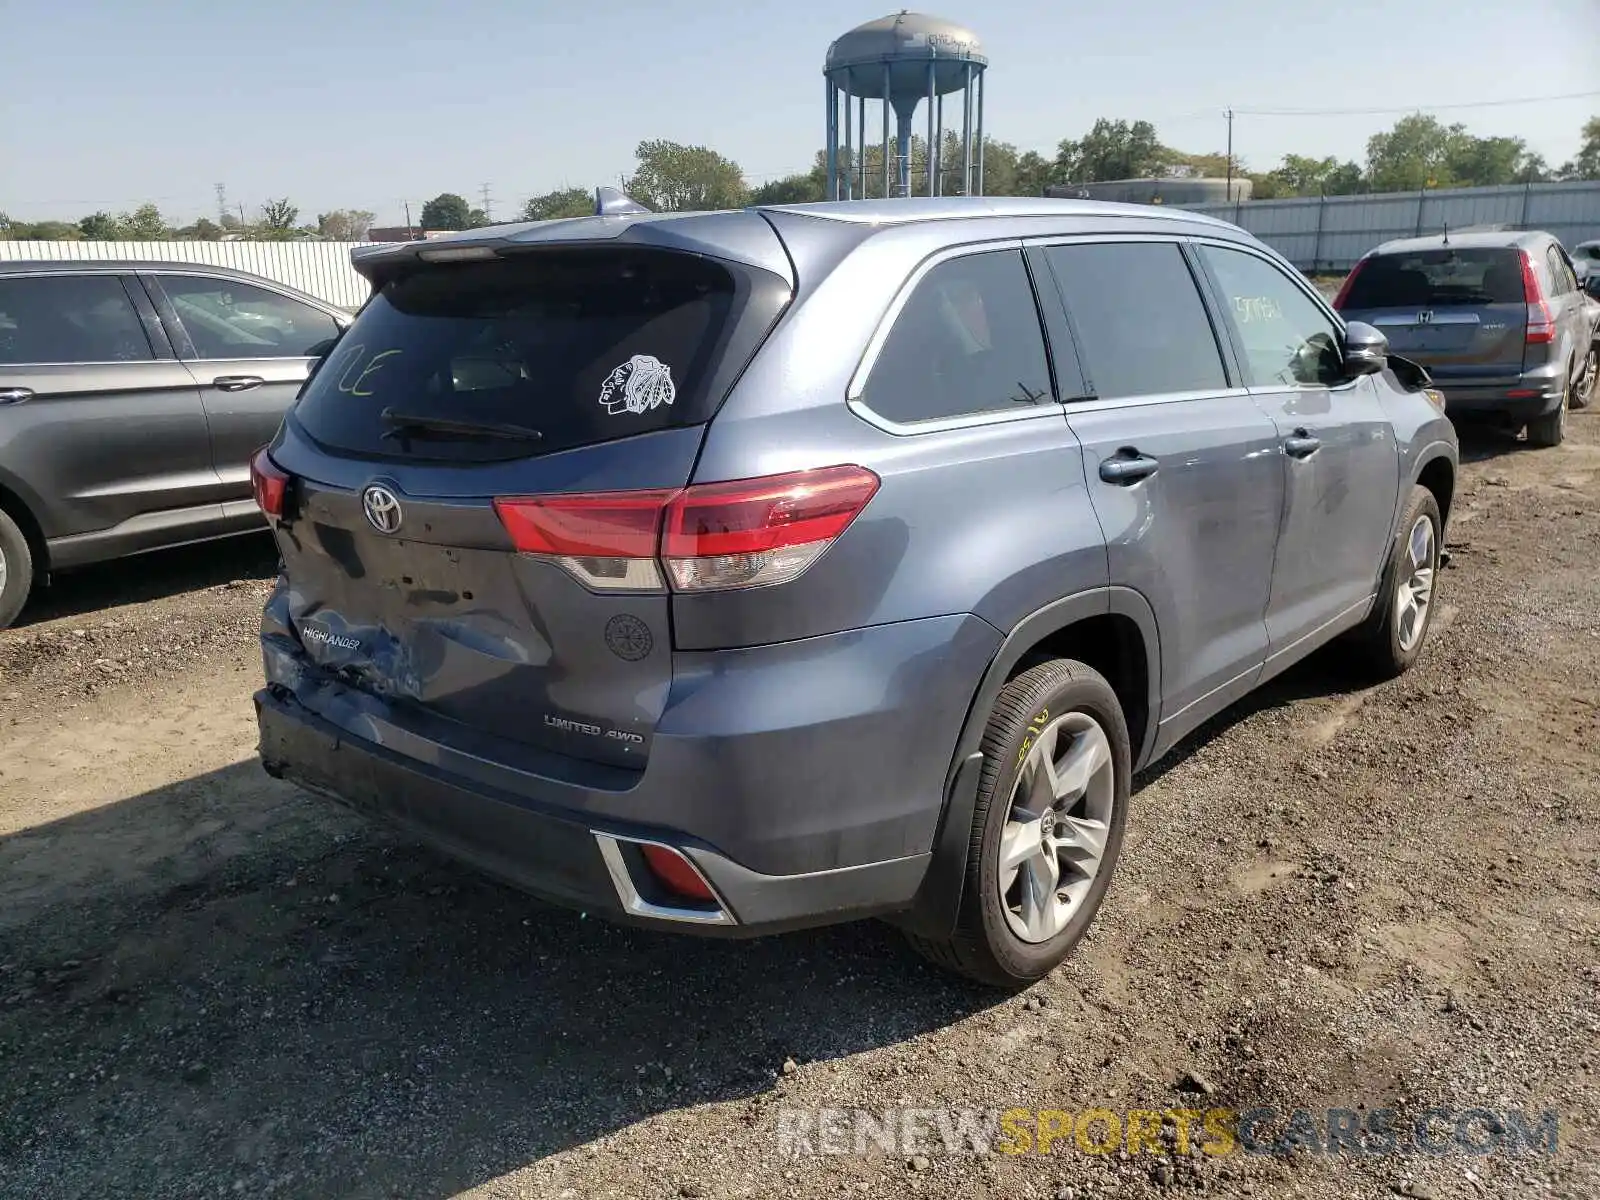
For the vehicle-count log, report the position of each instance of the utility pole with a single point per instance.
(488, 204)
(407, 203)
(1229, 115)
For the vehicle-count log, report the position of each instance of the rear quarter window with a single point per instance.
(583, 345)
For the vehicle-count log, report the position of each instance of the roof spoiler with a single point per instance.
(610, 202)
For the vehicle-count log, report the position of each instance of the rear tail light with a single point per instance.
(676, 873)
(269, 482)
(607, 540)
(1349, 281)
(1541, 321)
(759, 531)
(709, 537)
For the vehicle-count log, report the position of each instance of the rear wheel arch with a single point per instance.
(17, 509)
(1113, 630)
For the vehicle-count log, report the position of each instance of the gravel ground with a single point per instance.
(1333, 897)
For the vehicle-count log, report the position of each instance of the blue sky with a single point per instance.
(360, 104)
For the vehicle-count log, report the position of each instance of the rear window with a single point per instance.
(583, 346)
(1438, 279)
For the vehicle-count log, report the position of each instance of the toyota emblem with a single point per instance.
(382, 508)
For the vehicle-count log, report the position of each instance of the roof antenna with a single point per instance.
(609, 202)
(1446, 226)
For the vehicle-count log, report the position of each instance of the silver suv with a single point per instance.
(728, 572)
(1498, 319)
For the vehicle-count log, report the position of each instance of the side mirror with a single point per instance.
(1366, 350)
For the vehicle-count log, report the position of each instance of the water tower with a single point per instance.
(901, 61)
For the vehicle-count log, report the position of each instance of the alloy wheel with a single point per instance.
(1053, 843)
(1584, 392)
(1415, 592)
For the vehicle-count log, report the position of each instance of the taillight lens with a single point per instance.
(1349, 282)
(607, 540)
(755, 532)
(269, 482)
(712, 536)
(1541, 321)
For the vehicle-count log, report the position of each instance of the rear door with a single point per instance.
(1183, 465)
(1571, 311)
(99, 422)
(1341, 466)
(250, 348)
(404, 582)
(1461, 313)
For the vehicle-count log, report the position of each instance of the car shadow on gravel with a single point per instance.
(1482, 440)
(151, 576)
(336, 1011)
(1324, 673)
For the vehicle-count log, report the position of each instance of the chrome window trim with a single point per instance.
(75, 364)
(1142, 400)
(869, 357)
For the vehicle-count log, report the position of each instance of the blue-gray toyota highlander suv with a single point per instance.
(740, 571)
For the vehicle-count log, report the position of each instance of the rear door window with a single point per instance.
(1438, 279)
(581, 345)
(1141, 326)
(1562, 279)
(225, 318)
(968, 341)
(69, 319)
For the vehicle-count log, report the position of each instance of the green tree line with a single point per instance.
(1419, 151)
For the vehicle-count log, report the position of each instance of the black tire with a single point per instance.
(1588, 384)
(16, 559)
(1379, 641)
(983, 946)
(1551, 429)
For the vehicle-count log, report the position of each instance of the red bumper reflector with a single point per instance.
(673, 871)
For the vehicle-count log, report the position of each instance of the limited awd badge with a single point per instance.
(382, 508)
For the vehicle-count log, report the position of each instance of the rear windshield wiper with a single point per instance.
(408, 425)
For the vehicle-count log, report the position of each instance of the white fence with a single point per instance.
(321, 268)
(1330, 233)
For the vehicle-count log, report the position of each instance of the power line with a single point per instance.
(1410, 108)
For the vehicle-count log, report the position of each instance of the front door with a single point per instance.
(250, 349)
(1337, 450)
(99, 425)
(1182, 466)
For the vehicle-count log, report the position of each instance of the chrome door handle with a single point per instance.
(236, 383)
(15, 395)
(1126, 469)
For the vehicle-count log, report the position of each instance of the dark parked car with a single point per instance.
(132, 395)
(1496, 318)
(739, 571)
